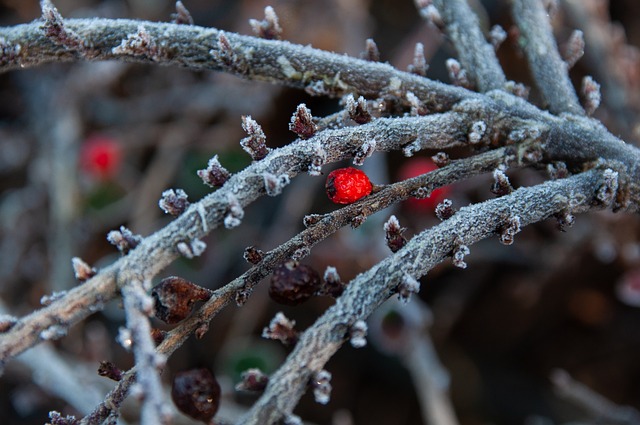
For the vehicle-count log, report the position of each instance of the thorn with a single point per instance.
(55, 30)
(333, 286)
(269, 28)
(182, 15)
(371, 52)
(138, 44)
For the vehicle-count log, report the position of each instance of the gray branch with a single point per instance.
(550, 72)
(369, 289)
(476, 55)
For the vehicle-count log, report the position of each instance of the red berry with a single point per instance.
(414, 168)
(100, 156)
(347, 185)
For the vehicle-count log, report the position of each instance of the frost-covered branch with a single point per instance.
(548, 69)
(477, 57)
(369, 289)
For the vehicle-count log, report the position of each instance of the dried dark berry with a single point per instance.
(293, 283)
(174, 298)
(196, 393)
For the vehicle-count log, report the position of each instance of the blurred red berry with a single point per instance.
(347, 185)
(413, 168)
(100, 157)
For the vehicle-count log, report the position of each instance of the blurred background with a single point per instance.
(88, 147)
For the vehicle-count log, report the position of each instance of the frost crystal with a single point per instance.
(358, 334)
(458, 256)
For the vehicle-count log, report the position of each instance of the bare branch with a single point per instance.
(548, 68)
(476, 56)
(369, 289)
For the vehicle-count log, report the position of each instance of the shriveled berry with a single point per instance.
(196, 393)
(347, 185)
(293, 283)
(174, 298)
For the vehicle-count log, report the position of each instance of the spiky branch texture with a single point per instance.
(607, 172)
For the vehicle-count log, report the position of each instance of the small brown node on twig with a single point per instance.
(557, 170)
(173, 202)
(441, 159)
(321, 384)
(174, 298)
(255, 144)
(269, 28)
(7, 322)
(358, 109)
(419, 65)
(358, 334)
(293, 283)
(191, 249)
(302, 122)
(253, 380)
(196, 393)
(509, 230)
(201, 330)
(273, 184)
(573, 50)
(311, 219)
(459, 252)
(517, 89)
(182, 15)
(371, 52)
(408, 286)
(501, 185)
(476, 132)
(591, 96)
(158, 335)
(366, 149)
(109, 370)
(607, 191)
(281, 329)
(242, 295)
(124, 239)
(55, 29)
(56, 418)
(139, 43)
(82, 270)
(445, 210)
(457, 74)
(253, 255)
(215, 174)
(565, 220)
(235, 212)
(332, 284)
(393, 234)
